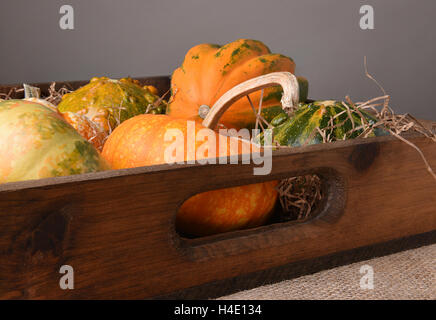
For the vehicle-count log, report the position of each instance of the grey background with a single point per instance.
(150, 37)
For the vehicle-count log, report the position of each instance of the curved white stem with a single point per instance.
(287, 80)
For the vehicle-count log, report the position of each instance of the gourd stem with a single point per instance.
(287, 80)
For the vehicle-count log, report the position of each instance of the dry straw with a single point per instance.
(55, 95)
(299, 196)
(13, 92)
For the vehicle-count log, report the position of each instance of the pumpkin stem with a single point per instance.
(289, 100)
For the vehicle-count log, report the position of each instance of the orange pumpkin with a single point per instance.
(140, 141)
(208, 71)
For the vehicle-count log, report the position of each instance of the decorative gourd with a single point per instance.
(208, 71)
(35, 142)
(140, 141)
(300, 129)
(108, 102)
(87, 129)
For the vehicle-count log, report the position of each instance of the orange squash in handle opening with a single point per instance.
(208, 71)
(140, 141)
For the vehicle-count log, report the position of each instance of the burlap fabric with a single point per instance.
(406, 275)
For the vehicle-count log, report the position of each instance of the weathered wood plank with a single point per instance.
(117, 229)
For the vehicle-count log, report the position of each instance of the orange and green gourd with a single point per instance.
(36, 142)
(208, 71)
(108, 102)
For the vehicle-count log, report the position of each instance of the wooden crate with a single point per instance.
(116, 228)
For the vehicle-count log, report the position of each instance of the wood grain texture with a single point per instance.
(301, 268)
(116, 228)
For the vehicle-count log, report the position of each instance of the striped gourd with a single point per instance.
(301, 128)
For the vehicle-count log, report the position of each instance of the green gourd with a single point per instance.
(300, 128)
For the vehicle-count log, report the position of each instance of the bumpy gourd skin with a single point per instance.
(35, 142)
(300, 128)
(109, 102)
(208, 71)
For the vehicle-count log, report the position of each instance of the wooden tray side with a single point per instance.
(116, 228)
